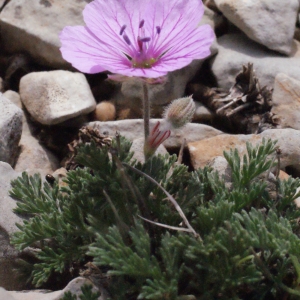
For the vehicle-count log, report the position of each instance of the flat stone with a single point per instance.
(133, 129)
(10, 130)
(286, 101)
(56, 96)
(203, 152)
(35, 28)
(268, 22)
(236, 50)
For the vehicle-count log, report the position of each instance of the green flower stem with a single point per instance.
(146, 105)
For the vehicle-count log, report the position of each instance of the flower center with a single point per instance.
(142, 58)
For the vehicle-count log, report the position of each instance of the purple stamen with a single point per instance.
(158, 29)
(122, 29)
(126, 39)
(145, 39)
(141, 23)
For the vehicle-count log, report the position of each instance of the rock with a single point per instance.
(204, 151)
(235, 50)
(105, 111)
(56, 96)
(219, 164)
(8, 220)
(202, 113)
(5, 295)
(32, 156)
(210, 17)
(10, 130)
(268, 22)
(14, 97)
(74, 287)
(133, 129)
(138, 148)
(35, 28)
(286, 101)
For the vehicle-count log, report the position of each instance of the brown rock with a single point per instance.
(288, 140)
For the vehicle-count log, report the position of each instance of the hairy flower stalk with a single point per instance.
(145, 39)
(178, 114)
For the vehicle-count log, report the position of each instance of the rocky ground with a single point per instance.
(44, 102)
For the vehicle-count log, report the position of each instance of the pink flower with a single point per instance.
(143, 38)
(156, 137)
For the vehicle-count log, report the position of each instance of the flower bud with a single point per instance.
(156, 137)
(180, 112)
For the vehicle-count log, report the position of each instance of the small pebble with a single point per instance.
(105, 111)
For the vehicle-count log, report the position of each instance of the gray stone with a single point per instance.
(235, 50)
(32, 156)
(35, 28)
(56, 96)
(8, 219)
(220, 165)
(268, 22)
(133, 129)
(14, 97)
(5, 295)
(286, 101)
(10, 130)
(202, 113)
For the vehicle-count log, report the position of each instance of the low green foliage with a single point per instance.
(247, 244)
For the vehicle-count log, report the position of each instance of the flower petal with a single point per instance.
(106, 18)
(87, 53)
(175, 18)
(195, 46)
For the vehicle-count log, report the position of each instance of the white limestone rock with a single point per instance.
(268, 22)
(10, 130)
(235, 50)
(56, 96)
(133, 129)
(34, 27)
